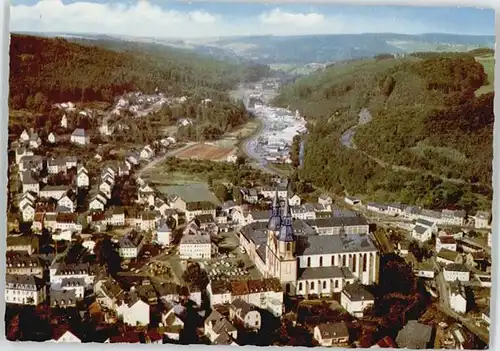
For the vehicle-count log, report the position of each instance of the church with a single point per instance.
(308, 261)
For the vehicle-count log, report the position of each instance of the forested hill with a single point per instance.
(68, 71)
(429, 141)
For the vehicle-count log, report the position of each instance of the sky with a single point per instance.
(174, 19)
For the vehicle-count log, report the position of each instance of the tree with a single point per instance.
(195, 276)
(221, 191)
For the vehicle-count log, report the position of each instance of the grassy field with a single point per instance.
(162, 177)
(488, 63)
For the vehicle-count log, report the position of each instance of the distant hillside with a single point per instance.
(429, 141)
(305, 49)
(66, 71)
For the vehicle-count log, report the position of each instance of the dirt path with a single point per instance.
(160, 159)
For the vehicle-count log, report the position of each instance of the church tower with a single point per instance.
(287, 244)
(273, 229)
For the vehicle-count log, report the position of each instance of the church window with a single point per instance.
(336, 283)
(289, 247)
(324, 284)
(309, 262)
(344, 260)
(354, 263)
(333, 260)
(321, 261)
(300, 286)
(312, 285)
(364, 263)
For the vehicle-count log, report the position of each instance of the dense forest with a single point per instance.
(426, 120)
(60, 70)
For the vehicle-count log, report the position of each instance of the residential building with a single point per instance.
(28, 212)
(446, 256)
(245, 313)
(82, 178)
(447, 242)
(134, 311)
(80, 137)
(25, 243)
(24, 289)
(421, 233)
(350, 200)
(30, 184)
(482, 219)
(52, 138)
(164, 233)
(219, 330)
(294, 200)
(195, 244)
(131, 245)
(379, 208)
(457, 297)
(331, 335)
(147, 153)
(64, 122)
(455, 271)
(354, 298)
(455, 218)
(24, 264)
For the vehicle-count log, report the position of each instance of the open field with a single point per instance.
(163, 178)
(488, 63)
(205, 152)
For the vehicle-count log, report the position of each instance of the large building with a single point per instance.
(305, 262)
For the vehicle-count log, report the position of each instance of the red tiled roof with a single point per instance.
(387, 342)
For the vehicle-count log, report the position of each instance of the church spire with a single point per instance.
(274, 223)
(286, 230)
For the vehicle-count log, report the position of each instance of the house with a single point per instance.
(446, 256)
(52, 138)
(80, 137)
(134, 311)
(147, 153)
(354, 298)
(108, 293)
(24, 137)
(216, 326)
(197, 208)
(133, 158)
(455, 218)
(430, 216)
(219, 292)
(334, 334)
(373, 207)
(63, 334)
(455, 271)
(415, 335)
(54, 191)
(28, 212)
(82, 178)
(325, 200)
(164, 233)
(250, 195)
(304, 212)
(457, 297)
(395, 209)
(352, 200)
(245, 313)
(25, 243)
(78, 285)
(294, 200)
(64, 122)
(424, 269)
(421, 233)
(24, 289)
(24, 264)
(195, 244)
(35, 141)
(68, 200)
(172, 324)
(106, 188)
(117, 216)
(403, 248)
(482, 219)
(97, 203)
(30, 184)
(447, 242)
(62, 298)
(56, 165)
(131, 245)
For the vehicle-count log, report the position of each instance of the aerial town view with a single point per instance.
(196, 173)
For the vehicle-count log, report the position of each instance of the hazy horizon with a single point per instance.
(205, 20)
